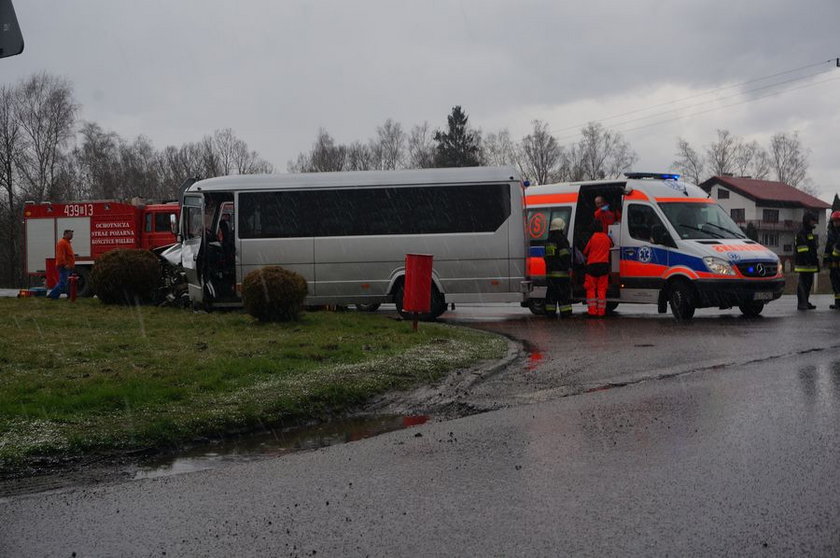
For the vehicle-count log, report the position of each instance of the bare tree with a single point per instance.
(46, 113)
(388, 147)
(601, 153)
(751, 160)
(10, 233)
(421, 148)
(789, 160)
(689, 163)
(720, 156)
(541, 153)
(325, 156)
(359, 157)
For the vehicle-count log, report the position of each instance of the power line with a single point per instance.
(774, 93)
(712, 92)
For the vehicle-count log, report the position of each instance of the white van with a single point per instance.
(347, 234)
(673, 244)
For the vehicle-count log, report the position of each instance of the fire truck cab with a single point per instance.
(98, 226)
(673, 244)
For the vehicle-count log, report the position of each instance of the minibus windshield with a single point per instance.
(694, 220)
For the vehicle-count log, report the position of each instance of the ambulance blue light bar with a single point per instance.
(656, 175)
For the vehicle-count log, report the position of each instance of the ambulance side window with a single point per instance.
(644, 224)
(540, 219)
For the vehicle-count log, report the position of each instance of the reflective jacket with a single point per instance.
(597, 254)
(832, 246)
(558, 255)
(806, 260)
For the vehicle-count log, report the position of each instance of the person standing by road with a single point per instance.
(558, 263)
(832, 256)
(806, 262)
(65, 263)
(597, 252)
(605, 215)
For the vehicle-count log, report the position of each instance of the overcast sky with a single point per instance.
(276, 70)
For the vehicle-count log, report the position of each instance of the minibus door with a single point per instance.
(192, 234)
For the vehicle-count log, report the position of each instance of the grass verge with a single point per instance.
(87, 378)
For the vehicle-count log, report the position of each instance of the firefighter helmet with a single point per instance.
(557, 224)
(835, 215)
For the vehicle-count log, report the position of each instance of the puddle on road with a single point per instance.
(244, 448)
(272, 444)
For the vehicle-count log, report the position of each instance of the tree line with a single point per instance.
(47, 154)
(599, 153)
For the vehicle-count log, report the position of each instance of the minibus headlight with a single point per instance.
(718, 266)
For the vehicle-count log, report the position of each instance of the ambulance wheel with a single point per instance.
(751, 309)
(537, 306)
(680, 297)
(83, 286)
(372, 307)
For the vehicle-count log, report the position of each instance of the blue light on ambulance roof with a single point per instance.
(751, 269)
(655, 175)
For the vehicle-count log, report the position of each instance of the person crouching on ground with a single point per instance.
(558, 263)
(65, 263)
(597, 252)
(806, 262)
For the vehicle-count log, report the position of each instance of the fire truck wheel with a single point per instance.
(83, 286)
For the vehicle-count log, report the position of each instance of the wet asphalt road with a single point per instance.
(634, 435)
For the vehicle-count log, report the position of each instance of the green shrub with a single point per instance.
(274, 294)
(126, 277)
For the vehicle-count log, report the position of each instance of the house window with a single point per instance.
(770, 216)
(723, 194)
(770, 239)
(738, 215)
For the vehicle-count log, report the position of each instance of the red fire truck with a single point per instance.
(98, 226)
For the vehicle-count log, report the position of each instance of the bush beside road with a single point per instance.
(85, 378)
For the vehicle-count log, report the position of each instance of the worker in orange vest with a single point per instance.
(597, 252)
(65, 263)
(604, 214)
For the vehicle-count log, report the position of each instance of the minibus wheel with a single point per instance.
(751, 309)
(536, 306)
(680, 297)
(437, 306)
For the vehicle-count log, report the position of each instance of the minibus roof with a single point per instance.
(355, 179)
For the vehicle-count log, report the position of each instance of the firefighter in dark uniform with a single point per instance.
(807, 261)
(832, 256)
(558, 262)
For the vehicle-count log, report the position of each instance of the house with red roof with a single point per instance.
(773, 209)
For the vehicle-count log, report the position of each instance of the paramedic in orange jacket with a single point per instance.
(65, 262)
(604, 214)
(597, 252)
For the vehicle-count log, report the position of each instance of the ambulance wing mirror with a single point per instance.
(173, 223)
(11, 39)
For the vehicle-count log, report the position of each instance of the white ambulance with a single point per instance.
(673, 244)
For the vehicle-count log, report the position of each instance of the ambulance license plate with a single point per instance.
(763, 295)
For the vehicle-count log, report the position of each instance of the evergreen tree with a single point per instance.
(460, 146)
(835, 205)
